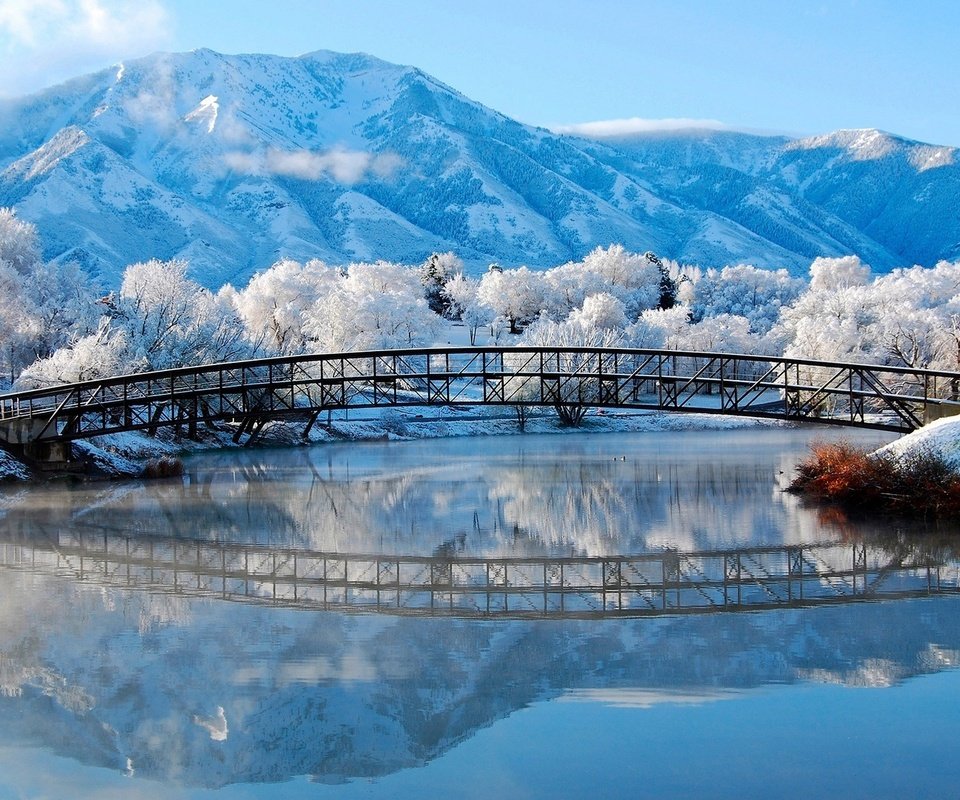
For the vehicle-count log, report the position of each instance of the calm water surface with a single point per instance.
(149, 649)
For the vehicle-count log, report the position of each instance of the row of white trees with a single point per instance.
(56, 325)
(45, 306)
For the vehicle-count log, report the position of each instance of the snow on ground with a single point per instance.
(124, 455)
(436, 423)
(941, 437)
(11, 469)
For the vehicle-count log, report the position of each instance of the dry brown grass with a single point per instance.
(166, 467)
(856, 480)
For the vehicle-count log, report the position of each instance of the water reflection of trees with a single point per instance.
(339, 499)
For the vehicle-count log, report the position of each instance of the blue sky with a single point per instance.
(799, 68)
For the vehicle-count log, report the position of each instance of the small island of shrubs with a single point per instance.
(918, 483)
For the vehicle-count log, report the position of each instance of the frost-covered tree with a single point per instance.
(517, 295)
(371, 307)
(463, 294)
(99, 354)
(274, 302)
(833, 324)
(838, 273)
(844, 318)
(601, 311)
(62, 304)
(438, 270)
(635, 279)
(657, 327)
(743, 290)
(723, 333)
(916, 320)
(170, 319)
(833, 320)
(19, 242)
(159, 319)
(571, 396)
(383, 277)
(45, 305)
(568, 285)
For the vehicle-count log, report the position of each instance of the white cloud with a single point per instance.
(603, 129)
(344, 166)
(45, 41)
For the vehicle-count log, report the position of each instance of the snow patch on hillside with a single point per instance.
(46, 158)
(205, 113)
(941, 437)
(925, 157)
(11, 469)
(866, 144)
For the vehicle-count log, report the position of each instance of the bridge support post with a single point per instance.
(313, 419)
(19, 439)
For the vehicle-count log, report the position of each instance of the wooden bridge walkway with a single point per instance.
(252, 393)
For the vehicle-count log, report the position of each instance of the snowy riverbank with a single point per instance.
(126, 454)
(941, 437)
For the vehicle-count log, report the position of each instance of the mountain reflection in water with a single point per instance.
(167, 683)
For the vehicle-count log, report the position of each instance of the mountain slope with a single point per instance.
(235, 161)
(888, 199)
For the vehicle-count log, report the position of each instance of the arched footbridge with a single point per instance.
(251, 393)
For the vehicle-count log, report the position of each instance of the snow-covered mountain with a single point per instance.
(235, 161)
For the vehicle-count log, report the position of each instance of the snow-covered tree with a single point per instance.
(273, 304)
(159, 319)
(97, 355)
(45, 305)
(838, 273)
(723, 333)
(743, 290)
(167, 316)
(635, 279)
(832, 324)
(435, 273)
(465, 305)
(568, 285)
(657, 327)
(372, 307)
(571, 396)
(601, 311)
(517, 295)
(19, 242)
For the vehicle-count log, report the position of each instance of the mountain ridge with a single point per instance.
(236, 161)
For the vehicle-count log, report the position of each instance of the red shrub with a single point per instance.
(841, 473)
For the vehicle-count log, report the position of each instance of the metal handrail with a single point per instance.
(316, 382)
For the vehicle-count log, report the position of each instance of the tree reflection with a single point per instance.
(545, 495)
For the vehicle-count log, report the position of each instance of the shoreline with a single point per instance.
(128, 455)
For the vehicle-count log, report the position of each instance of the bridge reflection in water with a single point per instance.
(649, 584)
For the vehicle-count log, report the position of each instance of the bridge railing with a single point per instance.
(896, 398)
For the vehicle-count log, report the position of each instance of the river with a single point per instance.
(578, 615)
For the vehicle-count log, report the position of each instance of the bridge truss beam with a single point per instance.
(251, 393)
